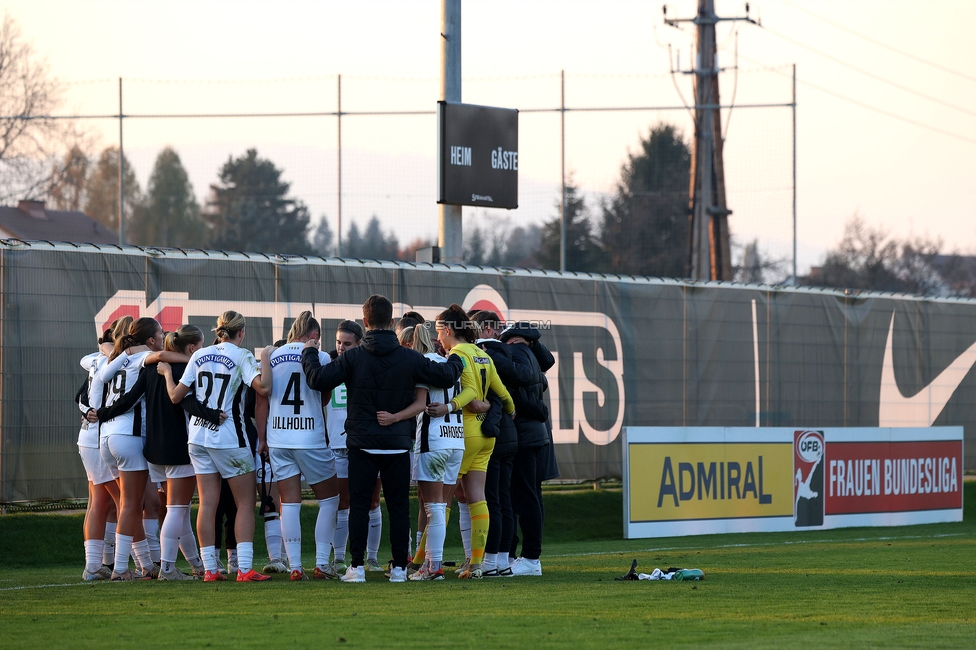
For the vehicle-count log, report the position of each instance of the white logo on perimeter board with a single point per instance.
(172, 309)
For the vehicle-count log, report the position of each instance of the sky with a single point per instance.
(886, 101)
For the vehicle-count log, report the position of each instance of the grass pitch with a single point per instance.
(870, 587)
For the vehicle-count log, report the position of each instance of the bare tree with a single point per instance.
(29, 137)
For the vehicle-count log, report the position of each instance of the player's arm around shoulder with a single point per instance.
(438, 375)
(324, 377)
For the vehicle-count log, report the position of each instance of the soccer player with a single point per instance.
(219, 374)
(291, 431)
(103, 491)
(166, 444)
(457, 334)
(438, 450)
(121, 441)
(380, 375)
(348, 335)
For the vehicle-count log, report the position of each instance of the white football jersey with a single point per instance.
(295, 418)
(220, 374)
(439, 434)
(118, 377)
(335, 420)
(92, 363)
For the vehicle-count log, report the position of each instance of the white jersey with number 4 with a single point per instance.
(443, 433)
(295, 418)
(335, 419)
(220, 373)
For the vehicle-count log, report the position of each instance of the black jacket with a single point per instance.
(166, 436)
(380, 375)
(498, 423)
(525, 381)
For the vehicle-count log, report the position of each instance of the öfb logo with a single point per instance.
(808, 479)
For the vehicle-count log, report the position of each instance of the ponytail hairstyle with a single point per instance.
(421, 340)
(182, 338)
(228, 325)
(140, 331)
(352, 327)
(120, 327)
(406, 336)
(303, 326)
(456, 319)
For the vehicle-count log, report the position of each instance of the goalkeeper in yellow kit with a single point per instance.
(457, 334)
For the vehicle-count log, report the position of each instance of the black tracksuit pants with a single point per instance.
(498, 494)
(526, 500)
(394, 471)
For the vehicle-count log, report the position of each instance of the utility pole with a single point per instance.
(562, 170)
(121, 162)
(710, 254)
(338, 252)
(450, 237)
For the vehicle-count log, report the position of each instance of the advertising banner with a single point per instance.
(702, 480)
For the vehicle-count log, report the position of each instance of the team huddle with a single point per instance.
(454, 404)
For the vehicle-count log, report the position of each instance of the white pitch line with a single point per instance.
(756, 545)
(65, 584)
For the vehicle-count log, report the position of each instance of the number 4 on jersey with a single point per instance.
(293, 393)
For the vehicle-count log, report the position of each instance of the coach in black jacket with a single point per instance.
(380, 375)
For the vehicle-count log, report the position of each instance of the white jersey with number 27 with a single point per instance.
(220, 374)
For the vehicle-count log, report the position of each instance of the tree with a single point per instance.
(169, 216)
(582, 248)
(474, 244)
(66, 187)
(756, 266)
(409, 252)
(870, 259)
(28, 137)
(322, 238)
(249, 209)
(645, 228)
(102, 190)
(520, 246)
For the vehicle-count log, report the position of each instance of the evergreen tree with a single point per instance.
(474, 245)
(102, 190)
(645, 228)
(322, 243)
(582, 248)
(249, 209)
(66, 190)
(169, 216)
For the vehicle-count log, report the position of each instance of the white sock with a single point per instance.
(108, 555)
(232, 557)
(490, 562)
(152, 536)
(188, 543)
(420, 535)
(273, 536)
(141, 551)
(94, 549)
(436, 533)
(291, 529)
(325, 527)
(169, 536)
(501, 561)
(341, 535)
(209, 556)
(375, 533)
(123, 548)
(245, 556)
(464, 521)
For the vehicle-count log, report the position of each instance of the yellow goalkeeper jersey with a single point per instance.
(478, 377)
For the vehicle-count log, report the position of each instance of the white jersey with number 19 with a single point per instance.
(295, 418)
(220, 373)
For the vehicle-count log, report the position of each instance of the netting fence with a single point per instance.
(385, 165)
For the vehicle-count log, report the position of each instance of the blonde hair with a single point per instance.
(182, 338)
(421, 340)
(406, 336)
(121, 327)
(304, 325)
(228, 325)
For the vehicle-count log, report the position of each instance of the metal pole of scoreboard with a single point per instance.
(450, 237)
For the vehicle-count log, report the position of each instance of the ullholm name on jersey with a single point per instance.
(291, 424)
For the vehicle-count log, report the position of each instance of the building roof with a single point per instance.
(31, 220)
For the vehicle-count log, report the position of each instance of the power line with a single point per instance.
(875, 109)
(870, 74)
(879, 43)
